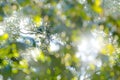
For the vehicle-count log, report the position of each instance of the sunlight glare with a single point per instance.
(54, 47)
(89, 46)
(1, 32)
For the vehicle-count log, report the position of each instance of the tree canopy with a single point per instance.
(59, 39)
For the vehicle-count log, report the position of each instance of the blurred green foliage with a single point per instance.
(67, 21)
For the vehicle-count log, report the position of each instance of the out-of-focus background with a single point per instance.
(59, 39)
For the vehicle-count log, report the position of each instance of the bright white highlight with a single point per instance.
(90, 45)
(88, 48)
(54, 47)
(1, 32)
